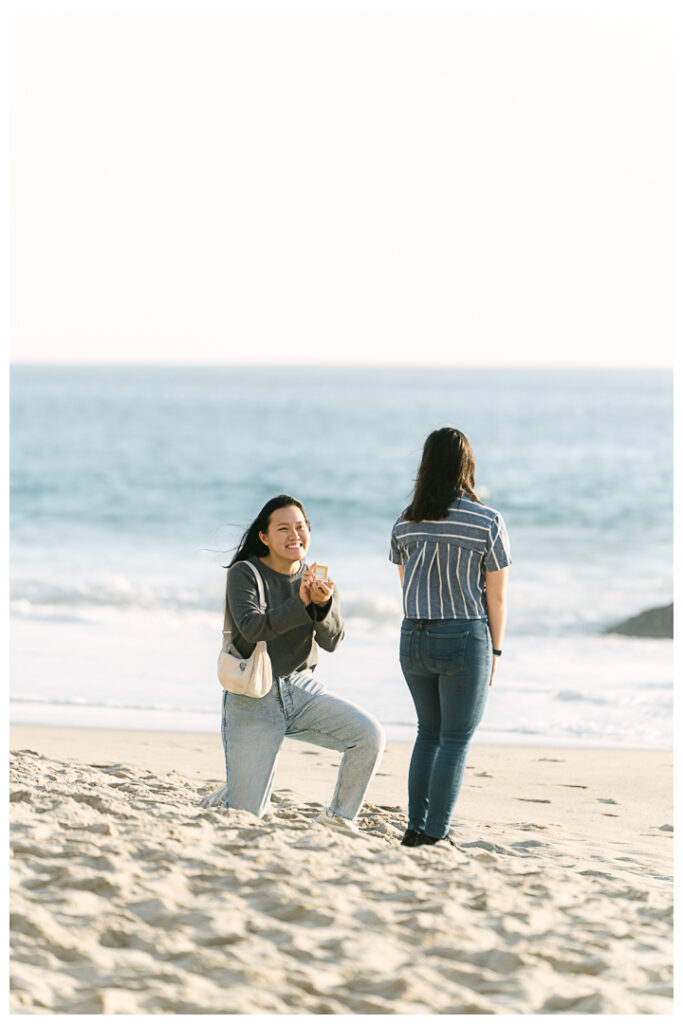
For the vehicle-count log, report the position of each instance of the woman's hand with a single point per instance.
(321, 591)
(311, 589)
(493, 669)
(307, 580)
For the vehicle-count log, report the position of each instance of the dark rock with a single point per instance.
(655, 622)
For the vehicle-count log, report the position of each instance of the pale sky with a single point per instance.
(482, 183)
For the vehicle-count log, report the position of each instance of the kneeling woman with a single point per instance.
(300, 614)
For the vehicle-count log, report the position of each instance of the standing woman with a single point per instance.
(452, 553)
(301, 614)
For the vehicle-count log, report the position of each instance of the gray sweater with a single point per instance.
(290, 629)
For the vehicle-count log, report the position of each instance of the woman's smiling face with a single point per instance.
(288, 536)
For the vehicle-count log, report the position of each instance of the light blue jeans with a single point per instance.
(297, 705)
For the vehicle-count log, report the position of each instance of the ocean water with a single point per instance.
(130, 487)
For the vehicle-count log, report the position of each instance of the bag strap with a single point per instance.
(259, 586)
(261, 597)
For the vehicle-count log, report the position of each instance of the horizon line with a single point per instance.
(334, 366)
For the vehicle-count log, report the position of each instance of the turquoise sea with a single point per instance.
(131, 485)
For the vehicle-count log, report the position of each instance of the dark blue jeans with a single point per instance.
(447, 666)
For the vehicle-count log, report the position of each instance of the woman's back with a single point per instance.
(444, 561)
(453, 554)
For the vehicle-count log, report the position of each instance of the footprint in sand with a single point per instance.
(483, 844)
(21, 795)
(532, 800)
(607, 800)
(120, 770)
(555, 760)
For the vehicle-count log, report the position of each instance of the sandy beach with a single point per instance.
(129, 897)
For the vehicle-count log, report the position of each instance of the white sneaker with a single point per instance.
(326, 817)
(215, 799)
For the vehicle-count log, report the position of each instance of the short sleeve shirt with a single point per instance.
(445, 561)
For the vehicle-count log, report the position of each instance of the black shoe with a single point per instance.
(412, 837)
(425, 840)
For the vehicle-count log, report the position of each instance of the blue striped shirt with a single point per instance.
(444, 561)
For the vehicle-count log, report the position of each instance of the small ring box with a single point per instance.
(321, 572)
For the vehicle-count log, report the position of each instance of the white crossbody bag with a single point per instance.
(252, 676)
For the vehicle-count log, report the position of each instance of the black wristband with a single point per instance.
(497, 653)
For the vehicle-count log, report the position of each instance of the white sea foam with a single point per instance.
(134, 669)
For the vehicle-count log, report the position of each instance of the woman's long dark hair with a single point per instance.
(446, 472)
(251, 543)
